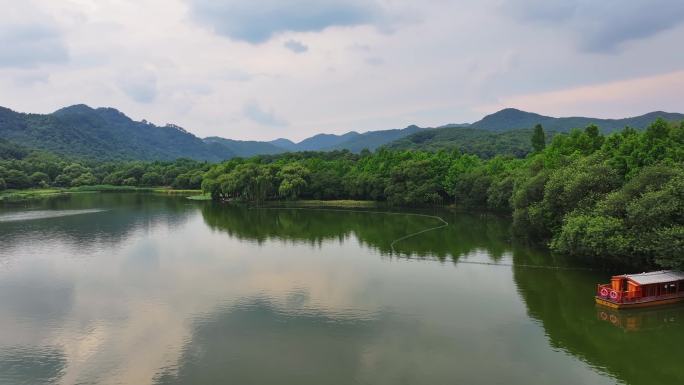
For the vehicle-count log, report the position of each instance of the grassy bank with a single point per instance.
(23, 195)
(200, 197)
(32, 194)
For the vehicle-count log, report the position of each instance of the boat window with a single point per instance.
(669, 288)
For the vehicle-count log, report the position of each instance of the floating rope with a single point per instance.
(443, 225)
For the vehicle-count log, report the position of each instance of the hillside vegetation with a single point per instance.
(21, 168)
(104, 134)
(483, 143)
(246, 148)
(107, 134)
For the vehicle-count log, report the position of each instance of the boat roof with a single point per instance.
(652, 277)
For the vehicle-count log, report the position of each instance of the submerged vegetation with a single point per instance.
(617, 198)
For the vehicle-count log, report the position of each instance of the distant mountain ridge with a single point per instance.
(108, 134)
(246, 148)
(104, 133)
(507, 132)
(511, 119)
(352, 141)
(325, 141)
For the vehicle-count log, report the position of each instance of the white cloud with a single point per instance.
(442, 62)
(604, 100)
(256, 21)
(253, 111)
(139, 85)
(29, 37)
(602, 26)
(296, 46)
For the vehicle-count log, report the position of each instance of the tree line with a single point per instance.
(617, 198)
(21, 169)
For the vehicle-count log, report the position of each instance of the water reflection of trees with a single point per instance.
(465, 234)
(123, 215)
(646, 353)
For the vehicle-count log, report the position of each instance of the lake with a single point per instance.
(148, 289)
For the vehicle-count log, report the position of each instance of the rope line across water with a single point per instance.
(443, 225)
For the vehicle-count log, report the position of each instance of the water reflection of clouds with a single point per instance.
(179, 304)
(28, 215)
(128, 316)
(83, 235)
(256, 342)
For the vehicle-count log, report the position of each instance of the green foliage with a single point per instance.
(632, 209)
(100, 134)
(479, 142)
(595, 236)
(293, 179)
(39, 179)
(538, 138)
(616, 198)
(85, 179)
(16, 179)
(414, 182)
(151, 178)
(36, 169)
(580, 184)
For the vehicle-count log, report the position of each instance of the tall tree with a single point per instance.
(538, 138)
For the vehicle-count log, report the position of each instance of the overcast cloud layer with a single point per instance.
(263, 69)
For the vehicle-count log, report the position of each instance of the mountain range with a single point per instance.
(106, 133)
(511, 119)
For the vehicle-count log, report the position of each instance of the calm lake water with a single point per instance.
(146, 289)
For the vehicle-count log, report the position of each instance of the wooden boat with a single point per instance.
(642, 290)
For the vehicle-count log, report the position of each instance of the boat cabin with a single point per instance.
(640, 290)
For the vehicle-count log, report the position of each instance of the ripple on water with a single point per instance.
(44, 214)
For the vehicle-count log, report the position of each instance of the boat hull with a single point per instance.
(638, 304)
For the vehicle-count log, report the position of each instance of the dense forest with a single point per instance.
(617, 198)
(21, 168)
(483, 143)
(104, 134)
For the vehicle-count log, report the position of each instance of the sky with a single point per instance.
(264, 69)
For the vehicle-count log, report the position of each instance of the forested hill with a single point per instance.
(104, 133)
(511, 119)
(352, 141)
(507, 132)
(483, 143)
(80, 131)
(246, 148)
(374, 139)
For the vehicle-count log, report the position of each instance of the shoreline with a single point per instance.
(11, 196)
